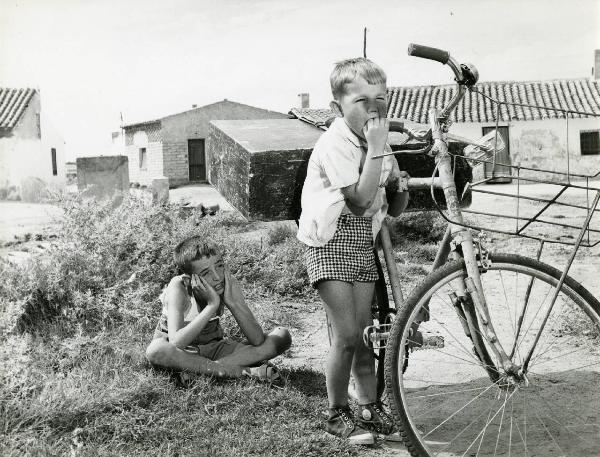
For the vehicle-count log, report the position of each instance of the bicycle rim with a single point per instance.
(445, 402)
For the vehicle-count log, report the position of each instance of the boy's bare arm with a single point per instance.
(234, 300)
(362, 193)
(182, 335)
(397, 199)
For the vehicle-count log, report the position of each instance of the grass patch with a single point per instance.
(98, 396)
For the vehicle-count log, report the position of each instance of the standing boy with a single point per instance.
(343, 206)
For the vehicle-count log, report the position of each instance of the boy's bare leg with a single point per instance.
(363, 365)
(276, 342)
(338, 297)
(164, 354)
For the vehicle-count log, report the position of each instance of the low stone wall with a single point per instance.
(102, 176)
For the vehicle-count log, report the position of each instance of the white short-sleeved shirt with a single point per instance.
(335, 163)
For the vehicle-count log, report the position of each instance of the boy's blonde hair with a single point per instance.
(193, 248)
(347, 70)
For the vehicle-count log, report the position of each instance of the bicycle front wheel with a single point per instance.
(447, 404)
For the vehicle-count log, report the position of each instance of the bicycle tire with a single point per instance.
(416, 414)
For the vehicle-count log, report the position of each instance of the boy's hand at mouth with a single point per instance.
(376, 132)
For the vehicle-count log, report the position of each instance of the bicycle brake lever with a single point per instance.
(424, 150)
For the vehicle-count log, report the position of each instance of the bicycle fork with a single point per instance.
(470, 301)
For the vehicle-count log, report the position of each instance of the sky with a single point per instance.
(94, 61)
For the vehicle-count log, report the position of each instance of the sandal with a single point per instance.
(264, 373)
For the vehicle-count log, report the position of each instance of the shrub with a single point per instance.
(276, 268)
(423, 226)
(280, 233)
(114, 256)
(83, 278)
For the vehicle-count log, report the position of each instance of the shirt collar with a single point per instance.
(340, 125)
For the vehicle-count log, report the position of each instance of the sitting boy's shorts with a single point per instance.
(348, 256)
(213, 350)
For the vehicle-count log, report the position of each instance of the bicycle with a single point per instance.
(487, 385)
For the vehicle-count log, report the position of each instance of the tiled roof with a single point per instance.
(579, 95)
(13, 103)
(412, 103)
(141, 124)
(314, 116)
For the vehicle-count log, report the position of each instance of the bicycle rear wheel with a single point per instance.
(445, 402)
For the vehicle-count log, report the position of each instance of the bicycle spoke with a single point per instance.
(521, 436)
(429, 410)
(548, 432)
(465, 350)
(484, 429)
(484, 337)
(500, 428)
(534, 361)
(539, 308)
(448, 393)
(459, 410)
(460, 433)
(560, 424)
(512, 323)
(512, 412)
(490, 421)
(570, 369)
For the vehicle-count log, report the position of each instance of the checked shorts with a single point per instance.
(348, 256)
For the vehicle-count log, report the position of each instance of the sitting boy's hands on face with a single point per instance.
(204, 291)
(233, 294)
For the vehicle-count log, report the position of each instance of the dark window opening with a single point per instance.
(143, 159)
(590, 142)
(54, 166)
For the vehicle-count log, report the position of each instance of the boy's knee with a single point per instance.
(281, 338)
(346, 343)
(158, 352)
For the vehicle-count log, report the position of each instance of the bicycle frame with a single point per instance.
(470, 301)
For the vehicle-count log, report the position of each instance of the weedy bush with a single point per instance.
(422, 226)
(280, 233)
(114, 256)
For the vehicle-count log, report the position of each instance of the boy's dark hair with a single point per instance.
(347, 70)
(193, 248)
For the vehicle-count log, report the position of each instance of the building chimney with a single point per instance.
(304, 100)
(596, 69)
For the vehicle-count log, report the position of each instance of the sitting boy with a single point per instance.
(189, 337)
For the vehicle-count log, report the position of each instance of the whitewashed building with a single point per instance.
(29, 146)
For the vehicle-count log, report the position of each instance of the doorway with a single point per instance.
(197, 160)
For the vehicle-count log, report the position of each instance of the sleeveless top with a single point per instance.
(212, 331)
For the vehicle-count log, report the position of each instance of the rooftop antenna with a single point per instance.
(365, 43)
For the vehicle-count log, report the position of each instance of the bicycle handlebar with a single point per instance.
(425, 52)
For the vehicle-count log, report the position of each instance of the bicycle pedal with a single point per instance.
(376, 336)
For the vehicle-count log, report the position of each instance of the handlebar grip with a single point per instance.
(426, 52)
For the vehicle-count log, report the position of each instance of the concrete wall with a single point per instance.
(543, 144)
(25, 150)
(102, 176)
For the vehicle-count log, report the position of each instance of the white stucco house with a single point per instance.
(29, 146)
